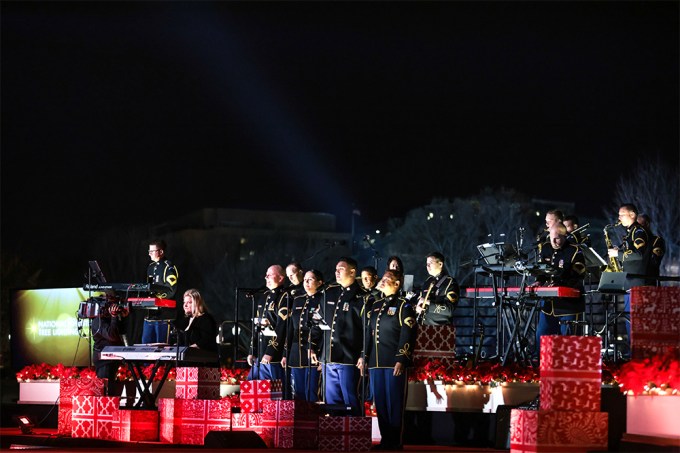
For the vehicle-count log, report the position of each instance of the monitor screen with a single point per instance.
(45, 327)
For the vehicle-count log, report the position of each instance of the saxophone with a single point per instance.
(614, 265)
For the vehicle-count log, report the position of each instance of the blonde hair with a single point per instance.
(199, 303)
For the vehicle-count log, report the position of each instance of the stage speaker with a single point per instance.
(233, 439)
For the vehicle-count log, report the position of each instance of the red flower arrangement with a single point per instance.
(656, 375)
(483, 373)
(233, 375)
(45, 371)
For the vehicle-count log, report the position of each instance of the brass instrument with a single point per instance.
(614, 265)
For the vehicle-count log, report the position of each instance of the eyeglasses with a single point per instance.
(153, 251)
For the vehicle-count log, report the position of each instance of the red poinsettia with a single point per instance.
(658, 374)
(233, 375)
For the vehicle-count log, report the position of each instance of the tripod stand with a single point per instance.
(613, 346)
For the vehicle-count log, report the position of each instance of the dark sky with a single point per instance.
(116, 113)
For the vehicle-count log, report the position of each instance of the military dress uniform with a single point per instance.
(304, 376)
(391, 340)
(570, 266)
(268, 306)
(443, 293)
(342, 309)
(162, 276)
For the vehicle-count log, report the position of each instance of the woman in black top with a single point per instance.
(198, 330)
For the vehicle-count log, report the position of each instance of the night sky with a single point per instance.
(117, 113)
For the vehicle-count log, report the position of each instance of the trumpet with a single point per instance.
(614, 265)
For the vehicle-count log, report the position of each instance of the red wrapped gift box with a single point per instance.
(654, 320)
(345, 433)
(68, 388)
(247, 422)
(187, 421)
(290, 424)
(435, 342)
(253, 393)
(571, 373)
(557, 431)
(93, 416)
(132, 425)
(198, 383)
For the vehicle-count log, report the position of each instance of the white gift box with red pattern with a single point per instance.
(253, 393)
(247, 422)
(345, 433)
(290, 424)
(70, 387)
(557, 431)
(571, 373)
(134, 425)
(654, 320)
(93, 416)
(188, 421)
(198, 383)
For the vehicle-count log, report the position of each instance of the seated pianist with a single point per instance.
(197, 329)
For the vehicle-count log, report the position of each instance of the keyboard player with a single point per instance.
(569, 264)
(163, 276)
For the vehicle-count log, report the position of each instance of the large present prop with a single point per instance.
(435, 342)
(254, 393)
(134, 425)
(653, 415)
(345, 433)
(39, 392)
(290, 424)
(70, 387)
(571, 373)
(188, 421)
(654, 320)
(247, 422)
(93, 417)
(557, 431)
(198, 383)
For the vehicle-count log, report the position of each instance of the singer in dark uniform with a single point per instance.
(568, 261)
(341, 346)
(389, 348)
(440, 294)
(163, 277)
(269, 307)
(304, 372)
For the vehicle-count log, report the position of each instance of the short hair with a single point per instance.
(438, 256)
(317, 274)
(159, 243)
(571, 218)
(351, 262)
(645, 217)
(297, 265)
(397, 275)
(630, 207)
(557, 213)
(370, 269)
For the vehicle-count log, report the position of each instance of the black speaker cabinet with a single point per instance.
(233, 439)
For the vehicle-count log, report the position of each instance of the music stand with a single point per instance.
(497, 253)
(97, 271)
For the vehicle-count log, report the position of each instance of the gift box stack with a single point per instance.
(654, 320)
(290, 424)
(134, 425)
(346, 433)
(569, 418)
(93, 417)
(436, 342)
(68, 388)
(196, 409)
(254, 393)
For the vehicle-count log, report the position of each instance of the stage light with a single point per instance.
(25, 424)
